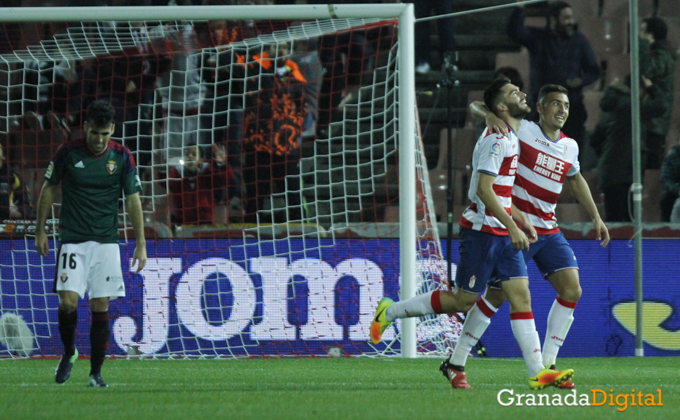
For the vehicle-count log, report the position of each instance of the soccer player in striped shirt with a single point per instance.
(93, 173)
(547, 158)
(490, 243)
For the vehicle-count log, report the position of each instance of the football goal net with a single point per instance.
(285, 186)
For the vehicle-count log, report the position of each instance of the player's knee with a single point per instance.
(67, 305)
(571, 294)
(520, 302)
(99, 304)
(467, 302)
(495, 297)
(466, 306)
(462, 301)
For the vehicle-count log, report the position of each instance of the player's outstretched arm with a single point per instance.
(43, 210)
(134, 208)
(495, 124)
(486, 193)
(581, 191)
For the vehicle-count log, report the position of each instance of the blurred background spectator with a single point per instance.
(447, 42)
(670, 180)
(14, 203)
(561, 55)
(612, 141)
(657, 62)
(192, 184)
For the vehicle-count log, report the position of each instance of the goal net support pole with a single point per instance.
(407, 174)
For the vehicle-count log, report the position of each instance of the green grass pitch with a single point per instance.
(321, 388)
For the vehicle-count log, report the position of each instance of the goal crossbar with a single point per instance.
(132, 13)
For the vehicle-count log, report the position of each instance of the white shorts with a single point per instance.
(90, 267)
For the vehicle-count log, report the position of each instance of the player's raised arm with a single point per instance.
(581, 191)
(479, 110)
(44, 206)
(134, 208)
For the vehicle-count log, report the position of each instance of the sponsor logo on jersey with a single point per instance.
(111, 166)
(543, 142)
(64, 277)
(549, 167)
(495, 149)
(50, 169)
(79, 164)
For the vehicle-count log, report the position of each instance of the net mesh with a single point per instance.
(269, 163)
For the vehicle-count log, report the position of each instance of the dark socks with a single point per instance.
(67, 331)
(99, 340)
(455, 367)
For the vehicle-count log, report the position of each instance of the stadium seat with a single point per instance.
(519, 60)
(438, 183)
(574, 213)
(673, 23)
(391, 214)
(34, 149)
(651, 196)
(473, 95)
(566, 196)
(591, 100)
(464, 141)
(619, 8)
(591, 180)
(150, 232)
(668, 8)
(584, 8)
(607, 35)
(673, 138)
(618, 67)
(537, 21)
(220, 214)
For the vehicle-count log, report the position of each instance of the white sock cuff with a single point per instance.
(490, 306)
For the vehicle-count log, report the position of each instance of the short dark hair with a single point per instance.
(548, 89)
(657, 27)
(493, 93)
(556, 7)
(100, 114)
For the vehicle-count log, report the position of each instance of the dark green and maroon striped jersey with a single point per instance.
(91, 189)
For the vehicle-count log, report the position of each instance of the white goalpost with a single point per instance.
(296, 270)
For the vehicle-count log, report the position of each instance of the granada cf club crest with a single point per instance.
(472, 281)
(111, 166)
(64, 277)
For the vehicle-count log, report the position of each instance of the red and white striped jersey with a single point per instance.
(495, 154)
(543, 166)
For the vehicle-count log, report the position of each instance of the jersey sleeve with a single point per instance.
(575, 164)
(131, 182)
(55, 170)
(491, 153)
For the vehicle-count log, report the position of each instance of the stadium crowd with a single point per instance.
(168, 96)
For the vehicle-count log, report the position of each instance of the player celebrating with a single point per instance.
(547, 158)
(93, 172)
(489, 242)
